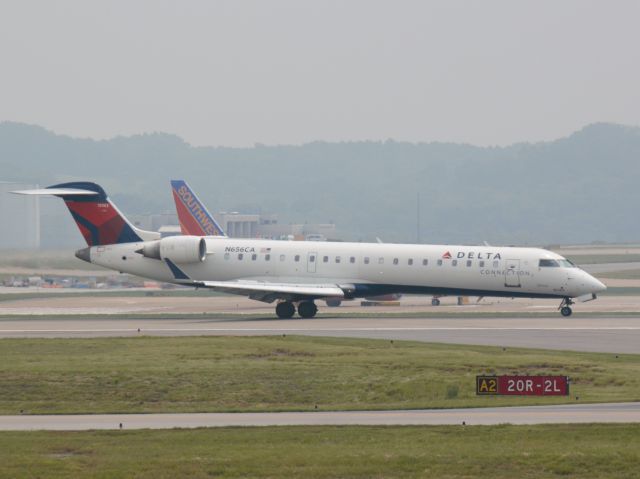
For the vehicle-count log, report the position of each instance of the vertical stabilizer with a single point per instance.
(193, 215)
(98, 219)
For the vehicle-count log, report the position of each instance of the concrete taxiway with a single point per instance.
(574, 413)
(595, 334)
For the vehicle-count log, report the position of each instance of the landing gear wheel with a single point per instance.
(565, 307)
(435, 302)
(307, 309)
(285, 310)
(565, 311)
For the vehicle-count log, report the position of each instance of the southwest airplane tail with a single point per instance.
(98, 219)
(193, 216)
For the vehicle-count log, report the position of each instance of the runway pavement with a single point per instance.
(596, 334)
(574, 413)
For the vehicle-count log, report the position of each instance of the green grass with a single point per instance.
(106, 375)
(499, 452)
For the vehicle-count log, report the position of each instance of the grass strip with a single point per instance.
(284, 373)
(501, 452)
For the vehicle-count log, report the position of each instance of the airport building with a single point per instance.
(238, 225)
(242, 225)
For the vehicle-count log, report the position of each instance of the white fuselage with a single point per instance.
(368, 268)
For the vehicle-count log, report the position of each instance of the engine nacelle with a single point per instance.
(178, 249)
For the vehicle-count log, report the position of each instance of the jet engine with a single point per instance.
(178, 249)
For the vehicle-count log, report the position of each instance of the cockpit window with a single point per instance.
(556, 263)
(548, 263)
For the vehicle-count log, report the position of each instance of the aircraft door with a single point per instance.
(312, 259)
(511, 273)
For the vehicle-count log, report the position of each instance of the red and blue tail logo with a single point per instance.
(98, 219)
(193, 215)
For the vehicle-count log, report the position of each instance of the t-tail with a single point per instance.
(193, 216)
(98, 219)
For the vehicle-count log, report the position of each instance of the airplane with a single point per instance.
(296, 273)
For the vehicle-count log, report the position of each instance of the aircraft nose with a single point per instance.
(594, 285)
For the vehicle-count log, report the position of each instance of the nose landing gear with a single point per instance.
(565, 307)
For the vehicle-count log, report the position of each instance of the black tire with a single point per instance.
(285, 310)
(333, 303)
(566, 311)
(435, 302)
(307, 309)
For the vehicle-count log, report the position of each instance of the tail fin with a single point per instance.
(193, 215)
(98, 219)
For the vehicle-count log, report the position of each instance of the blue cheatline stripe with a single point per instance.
(177, 272)
(95, 236)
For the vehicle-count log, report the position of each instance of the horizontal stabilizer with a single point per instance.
(57, 192)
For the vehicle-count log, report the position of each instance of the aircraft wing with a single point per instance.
(269, 292)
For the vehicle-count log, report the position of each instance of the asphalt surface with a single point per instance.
(574, 413)
(595, 334)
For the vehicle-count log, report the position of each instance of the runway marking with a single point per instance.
(584, 413)
(321, 330)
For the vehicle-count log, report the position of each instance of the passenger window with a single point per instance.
(439, 262)
(312, 259)
(395, 260)
(366, 260)
(469, 263)
(425, 262)
(254, 257)
(296, 258)
(337, 259)
(325, 259)
(454, 262)
(282, 257)
(352, 259)
(267, 257)
(481, 263)
(226, 256)
(410, 261)
(380, 260)
(240, 255)
(496, 264)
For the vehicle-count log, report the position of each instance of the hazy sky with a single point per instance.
(291, 71)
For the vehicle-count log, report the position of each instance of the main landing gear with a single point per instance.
(306, 309)
(285, 310)
(565, 307)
